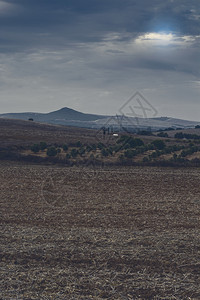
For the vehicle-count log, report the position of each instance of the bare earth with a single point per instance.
(82, 233)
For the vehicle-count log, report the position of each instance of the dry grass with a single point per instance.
(120, 233)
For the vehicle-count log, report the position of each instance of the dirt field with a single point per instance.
(82, 233)
(23, 133)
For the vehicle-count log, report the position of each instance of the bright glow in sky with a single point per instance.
(159, 36)
(162, 38)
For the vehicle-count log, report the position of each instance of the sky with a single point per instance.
(94, 55)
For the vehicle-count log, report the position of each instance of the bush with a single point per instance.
(65, 147)
(35, 148)
(81, 151)
(123, 139)
(129, 142)
(100, 146)
(94, 147)
(181, 135)
(145, 132)
(145, 159)
(159, 144)
(104, 152)
(88, 148)
(163, 134)
(121, 157)
(43, 146)
(74, 153)
(52, 151)
(78, 144)
(130, 153)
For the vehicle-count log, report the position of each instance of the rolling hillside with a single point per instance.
(70, 117)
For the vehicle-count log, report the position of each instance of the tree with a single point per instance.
(65, 147)
(104, 152)
(159, 144)
(163, 134)
(74, 153)
(130, 153)
(35, 148)
(145, 159)
(78, 144)
(52, 151)
(43, 145)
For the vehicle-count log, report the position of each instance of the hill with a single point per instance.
(33, 141)
(62, 115)
(70, 117)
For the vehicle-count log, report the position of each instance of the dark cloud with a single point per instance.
(50, 22)
(97, 49)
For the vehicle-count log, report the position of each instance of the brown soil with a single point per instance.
(87, 233)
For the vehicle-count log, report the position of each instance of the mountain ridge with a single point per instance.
(71, 117)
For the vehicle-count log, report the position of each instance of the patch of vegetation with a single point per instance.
(52, 151)
(74, 153)
(35, 148)
(145, 132)
(65, 147)
(163, 134)
(159, 144)
(189, 136)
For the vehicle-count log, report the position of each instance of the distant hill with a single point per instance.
(71, 117)
(64, 114)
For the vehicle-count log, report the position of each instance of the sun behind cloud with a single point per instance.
(163, 39)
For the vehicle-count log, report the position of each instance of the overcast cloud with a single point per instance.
(92, 55)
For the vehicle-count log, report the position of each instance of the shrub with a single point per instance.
(88, 148)
(35, 148)
(74, 153)
(117, 148)
(104, 152)
(181, 135)
(43, 146)
(121, 157)
(159, 144)
(163, 134)
(81, 151)
(65, 147)
(123, 139)
(130, 142)
(100, 146)
(145, 159)
(130, 153)
(154, 154)
(78, 144)
(52, 151)
(94, 147)
(145, 132)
